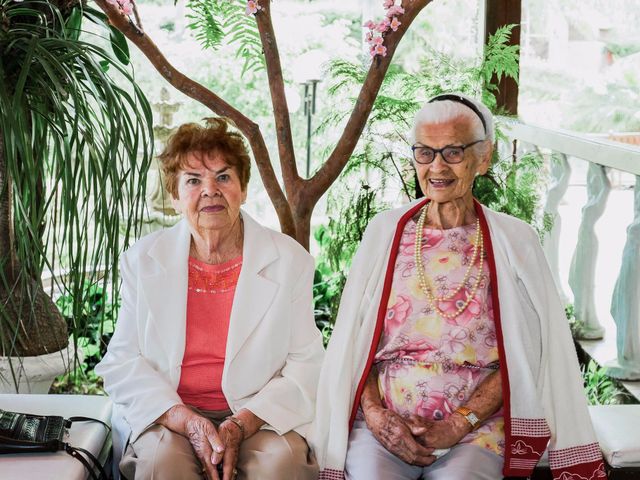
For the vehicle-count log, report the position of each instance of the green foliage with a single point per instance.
(514, 187)
(500, 59)
(217, 22)
(612, 107)
(623, 49)
(93, 325)
(91, 332)
(601, 389)
(205, 23)
(338, 242)
(169, 26)
(575, 325)
(76, 145)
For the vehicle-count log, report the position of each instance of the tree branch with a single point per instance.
(216, 104)
(329, 172)
(278, 100)
(136, 14)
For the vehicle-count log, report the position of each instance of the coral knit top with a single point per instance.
(209, 300)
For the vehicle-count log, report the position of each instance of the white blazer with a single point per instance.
(274, 350)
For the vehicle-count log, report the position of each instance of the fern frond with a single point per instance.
(218, 22)
(204, 23)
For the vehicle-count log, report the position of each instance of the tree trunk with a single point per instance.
(7, 259)
(303, 229)
(30, 323)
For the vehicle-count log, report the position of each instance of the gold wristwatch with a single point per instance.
(471, 417)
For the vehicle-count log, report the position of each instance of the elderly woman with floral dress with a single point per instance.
(455, 356)
(214, 362)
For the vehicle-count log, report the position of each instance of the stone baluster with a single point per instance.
(558, 183)
(583, 263)
(625, 304)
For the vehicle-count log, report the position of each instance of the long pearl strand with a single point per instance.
(431, 299)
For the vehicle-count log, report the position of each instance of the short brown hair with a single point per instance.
(215, 136)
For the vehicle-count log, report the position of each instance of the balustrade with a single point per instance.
(602, 155)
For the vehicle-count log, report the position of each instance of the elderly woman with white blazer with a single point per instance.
(215, 359)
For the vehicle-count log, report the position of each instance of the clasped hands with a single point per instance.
(211, 446)
(413, 439)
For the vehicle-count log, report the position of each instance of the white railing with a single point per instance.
(602, 155)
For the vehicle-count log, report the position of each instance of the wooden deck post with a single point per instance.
(497, 14)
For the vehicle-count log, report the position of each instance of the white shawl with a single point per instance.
(542, 387)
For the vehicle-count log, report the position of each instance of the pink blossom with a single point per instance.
(126, 6)
(370, 24)
(377, 40)
(389, 3)
(252, 7)
(383, 26)
(397, 314)
(379, 50)
(395, 24)
(368, 37)
(394, 11)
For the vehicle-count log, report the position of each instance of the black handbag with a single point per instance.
(26, 433)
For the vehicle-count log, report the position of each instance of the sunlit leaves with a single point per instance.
(219, 22)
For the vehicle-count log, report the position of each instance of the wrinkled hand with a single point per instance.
(206, 443)
(231, 437)
(438, 433)
(391, 430)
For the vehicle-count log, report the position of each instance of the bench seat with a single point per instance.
(617, 428)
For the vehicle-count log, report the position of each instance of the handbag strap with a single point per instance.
(89, 419)
(77, 453)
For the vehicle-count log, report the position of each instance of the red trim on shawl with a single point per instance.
(386, 289)
(497, 320)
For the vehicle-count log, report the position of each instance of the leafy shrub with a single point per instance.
(338, 242)
(91, 330)
(601, 389)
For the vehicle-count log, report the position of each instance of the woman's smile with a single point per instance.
(441, 183)
(212, 209)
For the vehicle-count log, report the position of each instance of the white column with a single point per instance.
(558, 184)
(583, 263)
(625, 304)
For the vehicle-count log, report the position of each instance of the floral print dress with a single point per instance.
(428, 364)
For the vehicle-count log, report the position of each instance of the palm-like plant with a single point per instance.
(74, 147)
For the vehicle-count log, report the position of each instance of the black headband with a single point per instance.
(463, 101)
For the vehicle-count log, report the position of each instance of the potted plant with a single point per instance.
(74, 146)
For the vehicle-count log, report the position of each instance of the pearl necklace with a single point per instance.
(478, 251)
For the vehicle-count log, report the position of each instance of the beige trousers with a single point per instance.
(161, 454)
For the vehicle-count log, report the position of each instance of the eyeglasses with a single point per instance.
(451, 154)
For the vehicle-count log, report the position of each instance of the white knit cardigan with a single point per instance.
(542, 389)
